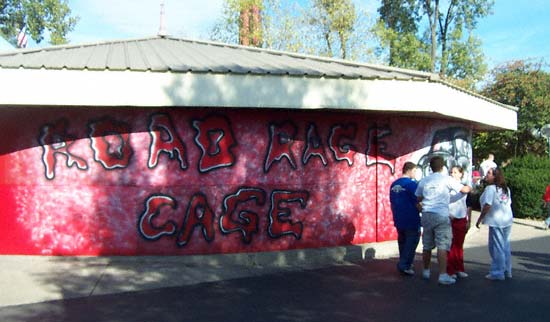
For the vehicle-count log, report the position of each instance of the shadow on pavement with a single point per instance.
(368, 290)
(31, 279)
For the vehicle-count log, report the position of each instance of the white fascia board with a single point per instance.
(439, 98)
(130, 88)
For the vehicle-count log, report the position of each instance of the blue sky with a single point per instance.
(516, 30)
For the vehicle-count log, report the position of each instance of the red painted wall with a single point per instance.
(132, 181)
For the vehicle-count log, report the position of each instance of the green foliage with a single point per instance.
(527, 178)
(304, 27)
(334, 21)
(405, 50)
(443, 45)
(39, 16)
(524, 85)
(465, 60)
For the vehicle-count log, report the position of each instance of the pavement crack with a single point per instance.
(98, 280)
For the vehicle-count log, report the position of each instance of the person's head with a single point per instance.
(409, 169)
(437, 164)
(490, 156)
(496, 177)
(457, 172)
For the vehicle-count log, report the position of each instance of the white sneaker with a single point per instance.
(409, 271)
(446, 279)
(462, 274)
(508, 274)
(494, 278)
(426, 274)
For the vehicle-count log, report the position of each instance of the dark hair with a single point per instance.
(499, 180)
(408, 166)
(436, 164)
(459, 168)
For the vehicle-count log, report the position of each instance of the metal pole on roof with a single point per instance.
(162, 29)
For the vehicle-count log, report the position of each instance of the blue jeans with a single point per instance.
(501, 253)
(407, 239)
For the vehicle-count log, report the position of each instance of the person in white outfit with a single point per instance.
(487, 164)
(496, 212)
(433, 193)
(460, 215)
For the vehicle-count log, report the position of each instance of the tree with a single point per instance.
(466, 62)
(397, 30)
(334, 18)
(447, 40)
(327, 28)
(458, 15)
(250, 26)
(38, 16)
(273, 24)
(525, 85)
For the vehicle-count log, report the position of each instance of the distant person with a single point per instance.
(487, 164)
(546, 199)
(406, 217)
(476, 178)
(434, 194)
(460, 215)
(496, 212)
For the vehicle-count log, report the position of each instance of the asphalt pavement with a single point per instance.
(340, 284)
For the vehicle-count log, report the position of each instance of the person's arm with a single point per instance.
(484, 211)
(466, 189)
(486, 200)
(456, 197)
(419, 203)
(452, 184)
(468, 218)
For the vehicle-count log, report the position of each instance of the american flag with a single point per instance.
(22, 38)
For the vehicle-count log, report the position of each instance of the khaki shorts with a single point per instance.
(437, 231)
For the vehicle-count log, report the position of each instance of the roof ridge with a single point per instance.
(344, 62)
(70, 46)
(312, 57)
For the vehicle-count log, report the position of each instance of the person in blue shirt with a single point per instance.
(406, 217)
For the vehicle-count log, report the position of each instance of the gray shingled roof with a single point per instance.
(167, 54)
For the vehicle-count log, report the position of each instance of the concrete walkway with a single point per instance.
(31, 279)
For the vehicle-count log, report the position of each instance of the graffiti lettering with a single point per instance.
(200, 215)
(170, 142)
(55, 140)
(377, 147)
(247, 221)
(280, 223)
(153, 206)
(342, 150)
(281, 138)
(314, 146)
(110, 141)
(215, 139)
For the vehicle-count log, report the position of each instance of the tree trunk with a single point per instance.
(433, 17)
(444, 27)
(329, 46)
(244, 27)
(256, 28)
(343, 42)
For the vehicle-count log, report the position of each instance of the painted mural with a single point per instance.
(121, 181)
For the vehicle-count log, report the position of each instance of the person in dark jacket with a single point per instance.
(406, 217)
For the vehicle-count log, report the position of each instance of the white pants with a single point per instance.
(500, 250)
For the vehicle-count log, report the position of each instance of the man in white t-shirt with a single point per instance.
(487, 164)
(434, 194)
